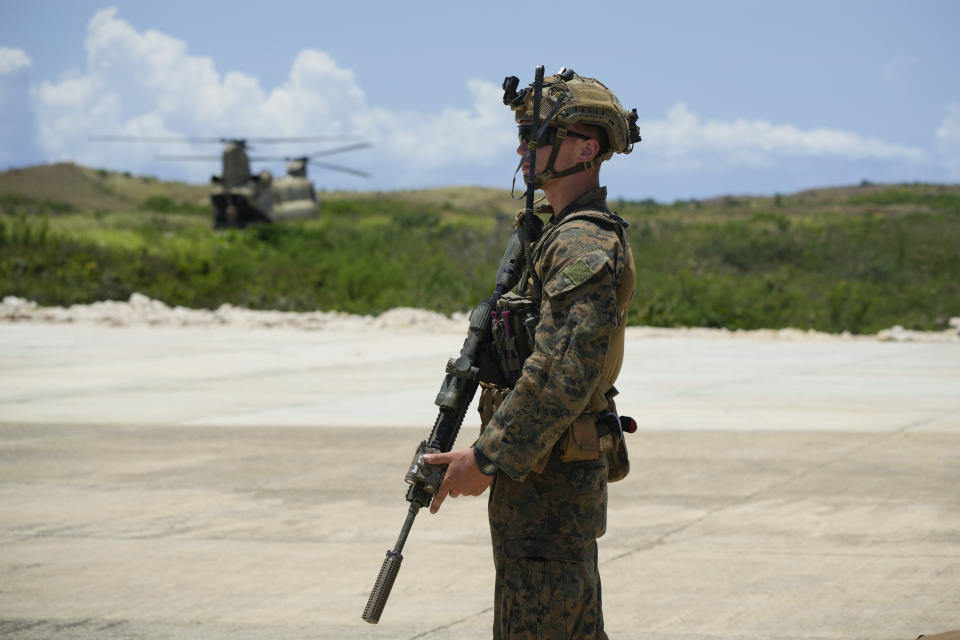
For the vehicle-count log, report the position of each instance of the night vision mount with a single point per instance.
(513, 98)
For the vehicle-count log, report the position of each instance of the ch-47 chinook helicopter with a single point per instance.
(241, 197)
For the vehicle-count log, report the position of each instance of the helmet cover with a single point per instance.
(583, 101)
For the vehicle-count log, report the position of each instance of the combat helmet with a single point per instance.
(570, 99)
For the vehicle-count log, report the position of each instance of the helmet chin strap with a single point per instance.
(540, 179)
(549, 173)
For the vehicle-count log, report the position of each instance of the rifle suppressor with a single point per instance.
(381, 590)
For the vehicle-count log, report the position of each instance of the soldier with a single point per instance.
(541, 450)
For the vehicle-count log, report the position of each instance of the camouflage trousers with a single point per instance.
(544, 533)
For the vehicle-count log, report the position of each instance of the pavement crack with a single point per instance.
(10, 626)
(872, 442)
(924, 421)
(450, 625)
(663, 538)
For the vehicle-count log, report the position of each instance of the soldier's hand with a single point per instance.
(463, 476)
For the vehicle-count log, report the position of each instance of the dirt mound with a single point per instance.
(141, 310)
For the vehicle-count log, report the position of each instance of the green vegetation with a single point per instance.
(360, 257)
(857, 259)
(943, 200)
(14, 203)
(829, 272)
(165, 204)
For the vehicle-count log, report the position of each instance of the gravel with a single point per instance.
(140, 310)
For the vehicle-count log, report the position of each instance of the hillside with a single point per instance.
(857, 258)
(89, 190)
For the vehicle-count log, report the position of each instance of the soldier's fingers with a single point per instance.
(438, 499)
(436, 458)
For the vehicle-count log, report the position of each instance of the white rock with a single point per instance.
(896, 333)
(139, 309)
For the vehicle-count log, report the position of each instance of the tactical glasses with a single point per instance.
(549, 135)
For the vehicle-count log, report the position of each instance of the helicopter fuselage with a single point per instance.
(241, 198)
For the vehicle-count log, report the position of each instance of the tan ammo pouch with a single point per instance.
(581, 440)
(592, 435)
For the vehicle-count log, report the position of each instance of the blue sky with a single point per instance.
(733, 97)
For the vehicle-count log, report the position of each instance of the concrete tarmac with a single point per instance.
(225, 483)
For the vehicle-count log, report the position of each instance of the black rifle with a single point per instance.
(456, 393)
(459, 386)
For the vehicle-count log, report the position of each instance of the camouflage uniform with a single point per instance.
(546, 514)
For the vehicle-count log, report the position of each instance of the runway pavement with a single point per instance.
(161, 482)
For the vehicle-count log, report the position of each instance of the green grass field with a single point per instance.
(855, 259)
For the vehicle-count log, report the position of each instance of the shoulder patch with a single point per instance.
(578, 272)
(583, 268)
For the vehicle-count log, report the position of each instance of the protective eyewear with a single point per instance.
(549, 135)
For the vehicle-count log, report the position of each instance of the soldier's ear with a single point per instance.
(589, 150)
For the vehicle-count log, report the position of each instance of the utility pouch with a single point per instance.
(581, 441)
(514, 324)
(592, 435)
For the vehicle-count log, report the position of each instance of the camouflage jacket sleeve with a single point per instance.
(579, 268)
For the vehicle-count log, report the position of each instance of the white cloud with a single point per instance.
(683, 141)
(468, 135)
(948, 133)
(947, 136)
(13, 61)
(148, 83)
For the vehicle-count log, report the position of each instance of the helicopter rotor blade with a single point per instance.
(330, 152)
(164, 139)
(300, 139)
(336, 167)
(180, 158)
(217, 139)
(310, 156)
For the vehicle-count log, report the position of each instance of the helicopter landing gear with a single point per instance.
(235, 211)
(231, 215)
